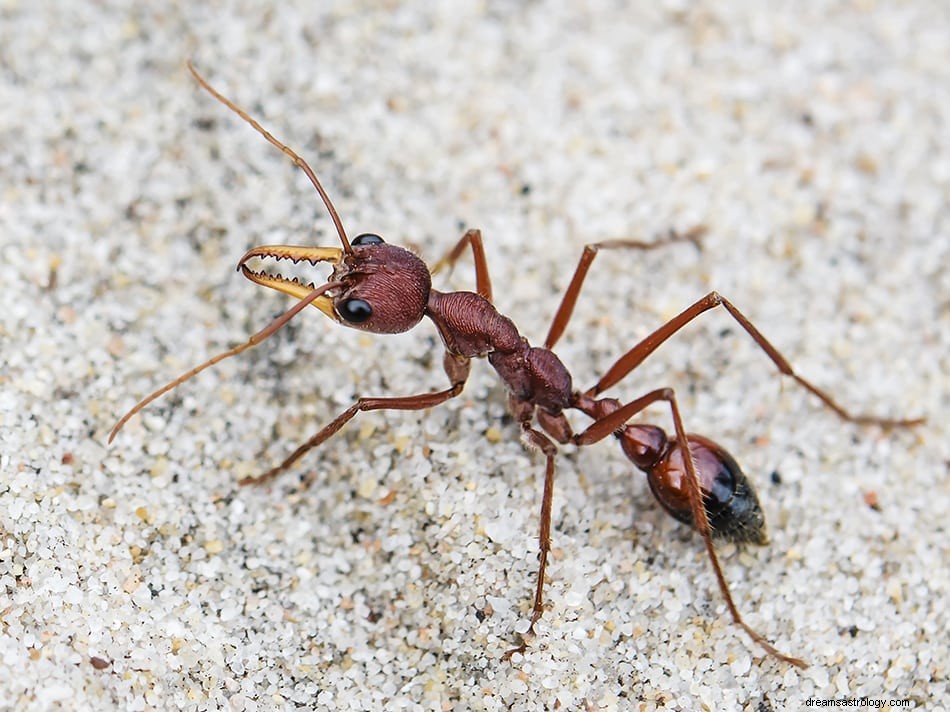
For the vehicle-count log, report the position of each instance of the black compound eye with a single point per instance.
(367, 238)
(355, 310)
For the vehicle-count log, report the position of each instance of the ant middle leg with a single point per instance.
(569, 300)
(610, 418)
(539, 440)
(635, 356)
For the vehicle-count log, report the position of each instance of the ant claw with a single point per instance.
(527, 636)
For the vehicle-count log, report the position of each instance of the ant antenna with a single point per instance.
(257, 338)
(301, 163)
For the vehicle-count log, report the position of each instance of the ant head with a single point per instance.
(379, 288)
(374, 287)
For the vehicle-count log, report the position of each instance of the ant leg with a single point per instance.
(635, 356)
(457, 369)
(537, 439)
(473, 239)
(257, 338)
(609, 424)
(566, 308)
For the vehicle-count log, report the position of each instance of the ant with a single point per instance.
(385, 289)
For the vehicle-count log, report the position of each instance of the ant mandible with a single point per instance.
(385, 289)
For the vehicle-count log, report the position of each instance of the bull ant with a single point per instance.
(385, 289)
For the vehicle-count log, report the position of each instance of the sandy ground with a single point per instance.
(813, 144)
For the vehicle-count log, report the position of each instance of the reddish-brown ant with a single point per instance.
(385, 289)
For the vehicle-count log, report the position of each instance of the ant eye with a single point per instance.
(367, 238)
(355, 310)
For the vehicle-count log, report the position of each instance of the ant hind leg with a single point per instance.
(611, 423)
(635, 356)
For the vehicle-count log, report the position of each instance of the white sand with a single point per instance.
(813, 144)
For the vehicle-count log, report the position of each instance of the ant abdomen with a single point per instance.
(730, 501)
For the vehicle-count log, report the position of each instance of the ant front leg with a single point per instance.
(612, 423)
(473, 239)
(457, 369)
(635, 356)
(569, 300)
